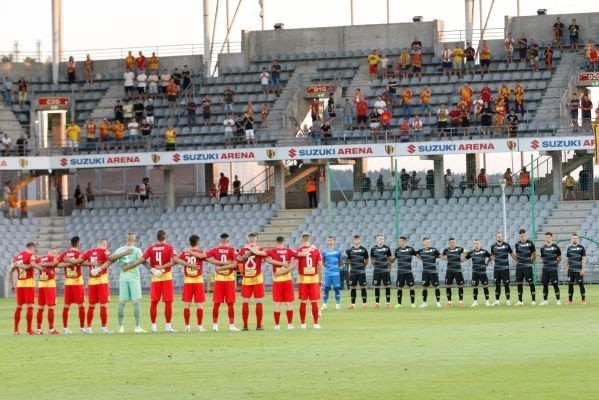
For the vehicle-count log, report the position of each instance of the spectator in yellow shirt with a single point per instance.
(170, 136)
(457, 56)
(73, 134)
(373, 65)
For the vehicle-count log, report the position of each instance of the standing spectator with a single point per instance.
(141, 62)
(316, 132)
(442, 115)
(373, 65)
(464, 116)
(21, 145)
(569, 188)
(153, 83)
(505, 93)
(71, 68)
(153, 62)
(165, 80)
(375, 125)
(248, 127)
(519, 99)
(128, 78)
(558, 33)
(176, 77)
(404, 131)
(89, 193)
(223, 185)
(425, 100)
(59, 201)
(463, 184)
(264, 111)
(138, 108)
(105, 129)
(22, 85)
(7, 91)
(406, 101)
(348, 115)
(482, 179)
(228, 99)
(358, 96)
(548, 58)
(172, 91)
(362, 114)
(574, 107)
(417, 64)
(6, 145)
(237, 186)
(574, 31)
(380, 184)
(249, 109)
(522, 45)
(454, 120)
(417, 127)
(457, 55)
(379, 105)
(512, 124)
(405, 60)
(430, 181)
(229, 124)
(206, 111)
(404, 179)
(584, 179)
(416, 44)
(524, 178)
(91, 138)
(146, 133)
(264, 80)
(331, 109)
(485, 58)
(384, 65)
(446, 60)
(586, 105)
(191, 111)
(144, 190)
(275, 76)
(486, 93)
(469, 55)
(119, 134)
(449, 184)
(133, 128)
(127, 111)
(366, 183)
(486, 118)
(129, 60)
(142, 82)
(118, 111)
(507, 175)
(508, 45)
(466, 94)
(186, 78)
(170, 138)
(73, 132)
(533, 55)
(88, 68)
(311, 190)
(150, 111)
(79, 197)
(315, 109)
(414, 181)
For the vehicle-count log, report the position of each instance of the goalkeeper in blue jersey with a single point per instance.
(332, 258)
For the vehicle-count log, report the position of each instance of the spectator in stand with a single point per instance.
(145, 129)
(430, 181)
(548, 56)
(88, 68)
(144, 190)
(586, 105)
(379, 105)
(384, 65)
(73, 132)
(153, 62)
(406, 101)
(206, 111)
(176, 77)
(366, 183)
(417, 64)
(358, 96)
(142, 82)
(264, 80)
(486, 93)
(446, 60)
(90, 129)
(417, 127)
(507, 175)
(362, 114)
(375, 125)
(404, 179)
(170, 138)
(165, 80)
(150, 111)
(79, 197)
(325, 130)
(172, 91)
(315, 109)
(223, 186)
(592, 55)
(248, 127)
(500, 111)
(228, 99)
(449, 184)
(118, 111)
(533, 55)
(71, 70)
(128, 78)
(512, 124)
(22, 86)
(522, 45)
(229, 124)
(129, 61)
(213, 191)
(264, 111)
(185, 78)
(119, 134)
(574, 107)
(24, 208)
(405, 60)
(482, 179)
(478, 108)
(457, 55)
(570, 183)
(464, 117)
(396, 67)
(469, 54)
(508, 45)
(466, 94)
(425, 100)
(574, 32)
(373, 65)
(505, 93)
(153, 83)
(404, 131)
(191, 106)
(380, 184)
(519, 99)
(138, 108)
(463, 184)
(275, 76)
(348, 115)
(6, 145)
(454, 120)
(127, 111)
(133, 130)
(316, 132)
(311, 189)
(89, 193)
(249, 108)
(584, 179)
(7, 91)
(486, 118)
(21, 145)
(105, 129)
(237, 186)
(414, 181)
(485, 58)
(442, 115)
(331, 108)
(416, 44)
(524, 178)
(558, 33)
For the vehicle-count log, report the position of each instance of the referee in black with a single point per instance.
(428, 255)
(453, 256)
(403, 254)
(551, 255)
(480, 260)
(525, 255)
(380, 258)
(500, 252)
(357, 256)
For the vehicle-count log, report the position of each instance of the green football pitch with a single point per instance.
(501, 352)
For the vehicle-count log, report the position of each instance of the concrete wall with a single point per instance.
(540, 27)
(338, 38)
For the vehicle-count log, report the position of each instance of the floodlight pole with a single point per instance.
(351, 11)
(502, 183)
(207, 36)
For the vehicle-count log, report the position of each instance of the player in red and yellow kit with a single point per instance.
(193, 283)
(46, 290)
(24, 263)
(251, 257)
(160, 256)
(224, 257)
(70, 260)
(282, 286)
(310, 274)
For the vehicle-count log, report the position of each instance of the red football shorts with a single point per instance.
(283, 291)
(164, 290)
(193, 292)
(256, 290)
(98, 293)
(309, 291)
(46, 296)
(373, 69)
(224, 292)
(25, 295)
(73, 294)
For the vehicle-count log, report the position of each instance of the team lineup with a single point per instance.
(316, 270)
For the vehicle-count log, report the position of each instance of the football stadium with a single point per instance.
(397, 209)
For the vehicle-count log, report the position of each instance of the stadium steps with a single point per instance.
(300, 175)
(544, 185)
(9, 123)
(565, 219)
(555, 88)
(51, 231)
(105, 107)
(283, 223)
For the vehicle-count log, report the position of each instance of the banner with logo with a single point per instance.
(564, 143)
(458, 147)
(24, 163)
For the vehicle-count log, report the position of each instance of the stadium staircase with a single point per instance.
(296, 177)
(565, 219)
(9, 123)
(283, 223)
(544, 184)
(279, 119)
(51, 231)
(550, 106)
(105, 107)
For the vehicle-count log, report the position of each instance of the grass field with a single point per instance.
(485, 353)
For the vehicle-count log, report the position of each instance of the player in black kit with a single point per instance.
(403, 255)
(357, 257)
(552, 257)
(480, 260)
(453, 256)
(525, 255)
(576, 262)
(380, 257)
(429, 256)
(500, 252)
